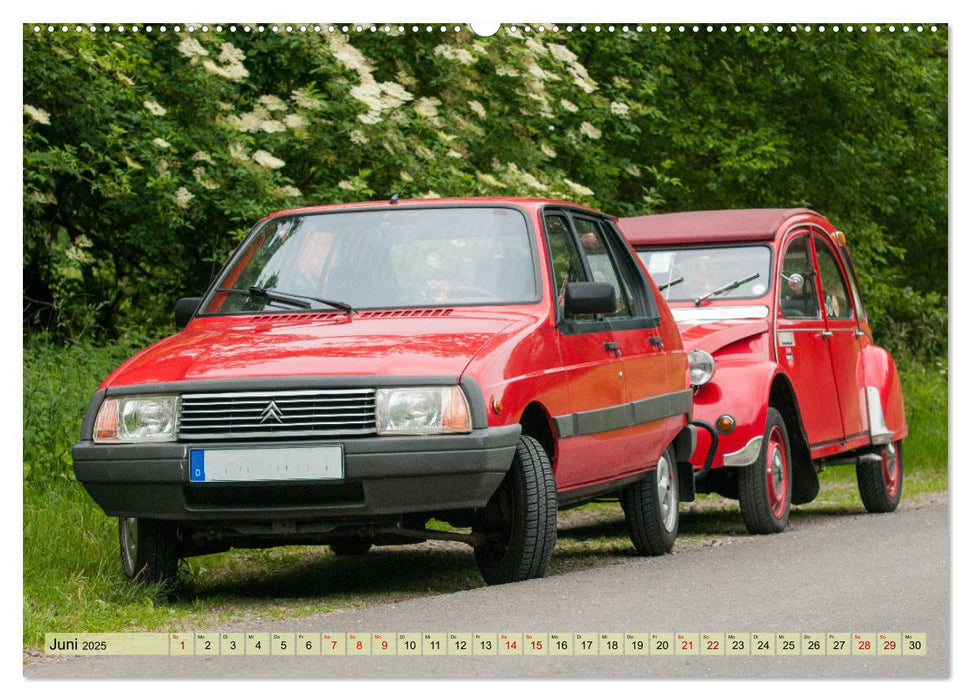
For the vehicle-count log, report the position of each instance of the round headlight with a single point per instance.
(701, 365)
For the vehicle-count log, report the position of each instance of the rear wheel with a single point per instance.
(518, 525)
(651, 508)
(765, 487)
(149, 549)
(881, 482)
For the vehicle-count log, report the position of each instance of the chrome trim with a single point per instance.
(880, 434)
(745, 456)
(684, 314)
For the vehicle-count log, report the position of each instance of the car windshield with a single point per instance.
(708, 274)
(388, 258)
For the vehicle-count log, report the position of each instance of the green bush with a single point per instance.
(59, 380)
(925, 386)
(148, 155)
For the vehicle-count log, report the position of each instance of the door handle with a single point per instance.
(613, 347)
(656, 342)
(827, 335)
(858, 333)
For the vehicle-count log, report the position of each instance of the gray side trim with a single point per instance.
(602, 420)
(575, 497)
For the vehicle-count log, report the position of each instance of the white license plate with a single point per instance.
(267, 464)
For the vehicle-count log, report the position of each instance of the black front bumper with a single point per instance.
(383, 476)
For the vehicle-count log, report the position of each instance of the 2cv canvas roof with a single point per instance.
(688, 227)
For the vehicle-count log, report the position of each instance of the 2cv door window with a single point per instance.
(835, 294)
(797, 295)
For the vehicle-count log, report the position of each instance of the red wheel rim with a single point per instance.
(777, 473)
(891, 469)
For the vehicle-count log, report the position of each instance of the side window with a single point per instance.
(797, 295)
(636, 286)
(602, 266)
(567, 266)
(835, 294)
(854, 284)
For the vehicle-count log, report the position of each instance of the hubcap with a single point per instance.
(667, 496)
(129, 529)
(891, 471)
(776, 472)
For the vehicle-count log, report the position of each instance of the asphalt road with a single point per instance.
(840, 573)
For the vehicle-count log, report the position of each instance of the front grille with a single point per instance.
(277, 414)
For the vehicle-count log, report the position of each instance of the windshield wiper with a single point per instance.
(298, 300)
(664, 286)
(727, 288)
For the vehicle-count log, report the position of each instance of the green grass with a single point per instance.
(73, 579)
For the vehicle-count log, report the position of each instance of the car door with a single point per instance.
(843, 337)
(654, 361)
(802, 347)
(592, 435)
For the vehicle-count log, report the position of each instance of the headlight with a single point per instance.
(422, 411)
(137, 419)
(701, 365)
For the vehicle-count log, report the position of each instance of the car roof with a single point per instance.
(528, 203)
(722, 225)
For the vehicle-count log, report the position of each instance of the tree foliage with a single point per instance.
(148, 156)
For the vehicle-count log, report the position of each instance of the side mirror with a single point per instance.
(590, 298)
(185, 309)
(795, 279)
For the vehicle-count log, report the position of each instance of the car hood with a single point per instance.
(371, 343)
(712, 336)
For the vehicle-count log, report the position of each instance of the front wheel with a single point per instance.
(518, 525)
(881, 482)
(765, 487)
(149, 549)
(651, 508)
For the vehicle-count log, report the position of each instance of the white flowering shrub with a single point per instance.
(148, 156)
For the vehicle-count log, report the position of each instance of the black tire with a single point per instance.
(881, 483)
(351, 546)
(149, 550)
(765, 487)
(519, 522)
(651, 508)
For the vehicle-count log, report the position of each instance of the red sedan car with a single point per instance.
(768, 298)
(357, 370)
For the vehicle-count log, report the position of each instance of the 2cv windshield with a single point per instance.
(388, 258)
(731, 272)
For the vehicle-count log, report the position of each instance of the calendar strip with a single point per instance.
(498, 644)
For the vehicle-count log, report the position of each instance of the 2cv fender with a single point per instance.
(737, 402)
(884, 396)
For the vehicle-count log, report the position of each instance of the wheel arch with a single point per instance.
(805, 482)
(537, 423)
